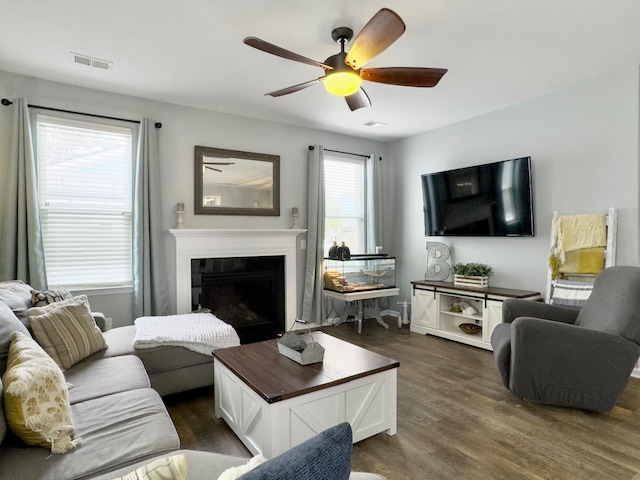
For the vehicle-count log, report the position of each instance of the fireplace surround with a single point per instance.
(191, 244)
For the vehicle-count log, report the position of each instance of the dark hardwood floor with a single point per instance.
(457, 421)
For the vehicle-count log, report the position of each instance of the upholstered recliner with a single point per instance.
(561, 356)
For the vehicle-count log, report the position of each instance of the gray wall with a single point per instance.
(183, 128)
(583, 142)
(584, 147)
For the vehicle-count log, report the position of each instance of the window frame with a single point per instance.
(362, 161)
(105, 124)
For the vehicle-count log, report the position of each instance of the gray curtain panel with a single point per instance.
(150, 287)
(313, 304)
(22, 254)
(374, 203)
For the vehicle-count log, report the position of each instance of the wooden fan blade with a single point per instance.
(281, 52)
(360, 99)
(219, 163)
(384, 28)
(293, 88)
(407, 76)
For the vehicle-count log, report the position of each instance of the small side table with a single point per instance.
(359, 297)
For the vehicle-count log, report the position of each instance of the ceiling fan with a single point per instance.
(207, 165)
(343, 71)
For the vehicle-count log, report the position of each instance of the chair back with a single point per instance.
(614, 304)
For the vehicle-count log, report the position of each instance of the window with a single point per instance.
(345, 205)
(85, 176)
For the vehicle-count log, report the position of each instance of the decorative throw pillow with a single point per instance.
(40, 298)
(66, 330)
(167, 468)
(36, 401)
(236, 472)
(17, 295)
(9, 323)
(327, 456)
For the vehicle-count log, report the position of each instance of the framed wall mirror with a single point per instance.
(231, 182)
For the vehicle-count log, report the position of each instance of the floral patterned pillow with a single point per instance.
(36, 399)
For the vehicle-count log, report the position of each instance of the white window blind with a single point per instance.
(85, 193)
(344, 180)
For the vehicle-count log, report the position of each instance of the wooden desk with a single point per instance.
(273, 403)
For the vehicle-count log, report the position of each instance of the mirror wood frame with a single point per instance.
(210, 152)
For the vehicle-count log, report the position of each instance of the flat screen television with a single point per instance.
(490, 200)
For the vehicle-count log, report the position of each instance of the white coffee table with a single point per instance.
(273, 403)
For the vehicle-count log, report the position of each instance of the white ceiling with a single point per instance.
(498, 52)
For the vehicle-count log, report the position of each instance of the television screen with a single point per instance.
(494, 199)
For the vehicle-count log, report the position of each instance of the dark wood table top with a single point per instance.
(487, 291)
(275, 377)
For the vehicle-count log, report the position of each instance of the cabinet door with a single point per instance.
(493, 317)
(424, 308)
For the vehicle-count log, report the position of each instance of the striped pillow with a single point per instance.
(66, 330)
(570, 294)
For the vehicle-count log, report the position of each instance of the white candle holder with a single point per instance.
(180, 213)
(294, 215)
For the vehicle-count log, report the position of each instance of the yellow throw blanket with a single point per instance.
(575, 232)
(587, 260)
(579, 244)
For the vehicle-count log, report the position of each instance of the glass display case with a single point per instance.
(359, 273)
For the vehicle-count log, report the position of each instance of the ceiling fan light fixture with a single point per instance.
(342, 84)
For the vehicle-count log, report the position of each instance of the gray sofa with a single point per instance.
(117, 410)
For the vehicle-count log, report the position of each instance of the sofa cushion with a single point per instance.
(40, 298)
(327, 456)
(201, 465)
(97, 377)
(9, 323)
(67, 330)
(35, 397)
(17, 295)
(157, 359)
(210, 465)
(116, 430)
(3, 421)
(165, 468)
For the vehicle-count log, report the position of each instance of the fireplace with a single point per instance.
(190, 244)
(246, 292)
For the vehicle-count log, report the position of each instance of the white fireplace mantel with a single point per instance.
(223, 243)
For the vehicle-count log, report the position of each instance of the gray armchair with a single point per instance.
(561, 356)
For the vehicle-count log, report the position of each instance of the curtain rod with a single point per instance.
(6, 102)
(312, 148)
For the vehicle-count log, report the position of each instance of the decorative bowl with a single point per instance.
(470, 328)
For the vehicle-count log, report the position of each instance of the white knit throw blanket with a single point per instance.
(200, 332)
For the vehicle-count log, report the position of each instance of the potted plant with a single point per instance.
(472, 274)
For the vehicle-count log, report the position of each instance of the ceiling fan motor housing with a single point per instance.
(337, 63)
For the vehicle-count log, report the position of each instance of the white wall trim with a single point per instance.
(223, 243)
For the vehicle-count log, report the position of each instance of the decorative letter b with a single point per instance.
(437, 267)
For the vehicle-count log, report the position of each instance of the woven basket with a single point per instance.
(470, 328)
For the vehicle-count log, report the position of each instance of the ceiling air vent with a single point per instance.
(90, 61)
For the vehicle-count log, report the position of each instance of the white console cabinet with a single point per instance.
(432, 310)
